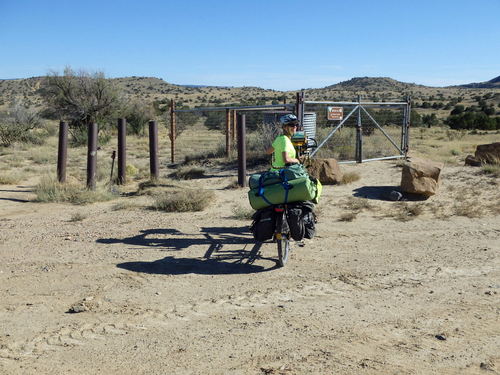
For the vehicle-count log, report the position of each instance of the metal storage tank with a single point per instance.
(310, 126)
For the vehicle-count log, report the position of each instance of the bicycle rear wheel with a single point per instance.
(283, 250)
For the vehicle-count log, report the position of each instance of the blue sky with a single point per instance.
(283, 45)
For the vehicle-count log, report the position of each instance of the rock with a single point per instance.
(395, 195)
(421, 177)
(489, 366)
(327, 171)
(472, 161)
(440, 337)
(78, 308)
(489, 153)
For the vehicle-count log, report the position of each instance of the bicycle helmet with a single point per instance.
(288, 120)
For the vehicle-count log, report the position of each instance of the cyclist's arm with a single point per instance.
(289, 160)
(270, 150)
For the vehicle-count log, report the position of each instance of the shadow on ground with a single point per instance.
(383, 193)
(180, 266)
(172, 239)
(217, 260)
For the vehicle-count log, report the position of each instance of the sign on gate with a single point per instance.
(335, 113)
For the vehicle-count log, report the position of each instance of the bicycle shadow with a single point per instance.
(221, 257)
(167, 240)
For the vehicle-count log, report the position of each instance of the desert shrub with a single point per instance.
(80, 98)
(349, 177)
(472, 120)
(18, 125)
(131, 170)
(138, 113)
(183, 200)
(262, 137)
(79, 136)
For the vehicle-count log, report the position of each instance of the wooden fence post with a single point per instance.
(153, 150)
(242, 155)
(122, 152)
(62, 152)
(91, 155)
(172, 130)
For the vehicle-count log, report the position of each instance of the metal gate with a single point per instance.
(364, 131)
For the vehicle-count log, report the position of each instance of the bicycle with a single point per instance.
(282, 234)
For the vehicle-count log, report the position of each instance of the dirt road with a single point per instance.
(191, 293)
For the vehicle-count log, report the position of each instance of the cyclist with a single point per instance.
(282, 148)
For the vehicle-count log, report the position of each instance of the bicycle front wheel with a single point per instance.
(283, 250)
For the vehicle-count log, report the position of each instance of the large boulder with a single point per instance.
(489, 153)
(421, 177)
(325, 170)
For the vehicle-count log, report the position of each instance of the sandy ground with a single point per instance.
(191, 293)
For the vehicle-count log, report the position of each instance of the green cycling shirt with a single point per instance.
(282, 144)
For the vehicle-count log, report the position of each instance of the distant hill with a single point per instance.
(152, 89)
(373, 84)
(491, 84)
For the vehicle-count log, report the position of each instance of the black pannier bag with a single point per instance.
(309, 224)
(295, 221)
(264, 224)
(302, 220)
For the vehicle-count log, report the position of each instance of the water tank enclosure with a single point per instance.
(310, 126)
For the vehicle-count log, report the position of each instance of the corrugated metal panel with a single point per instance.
(310, 125)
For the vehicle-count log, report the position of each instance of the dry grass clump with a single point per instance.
(77, 216)
(10, 178)
(242, 213)
(153, 186)
(50, 190)
(348, 216)
(233, 185)
(406, 211)
(355, 206)
(124, 205)
(183, 200)
(188, 173)
(495, 207)
(492, 168)
(42, 155)
(469, 208)
(349, 177)
(358, 204)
